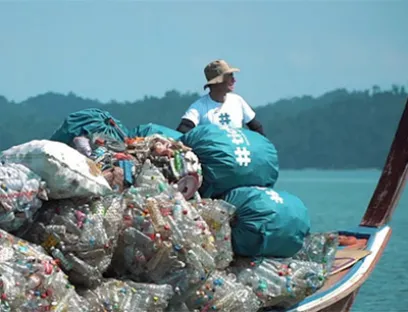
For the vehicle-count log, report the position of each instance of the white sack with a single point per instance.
(66, 171)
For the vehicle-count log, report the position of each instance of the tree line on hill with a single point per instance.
(339, 130)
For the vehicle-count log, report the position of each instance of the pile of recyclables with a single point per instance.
(104, 218)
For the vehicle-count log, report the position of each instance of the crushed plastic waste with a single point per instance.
(179, 307)
(165, 240)
(218, 215)
(117, 295)
(22, 193)
(177, 163)
(319, 248)
(222, 292)
(121, 219)
(280, 283)
(81, 234)
(30, 280)
(115, 178)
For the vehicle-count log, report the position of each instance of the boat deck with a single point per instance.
(350, 251)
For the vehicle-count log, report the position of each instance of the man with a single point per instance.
(220, 106)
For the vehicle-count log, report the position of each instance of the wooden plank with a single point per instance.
(392, 180)
(346, 258)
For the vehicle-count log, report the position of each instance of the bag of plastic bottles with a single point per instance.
(80, 234)
(151, 128)
(218, 214)
(319, 248)
(179, 307)
(30, 280)
(281, 283)
(165, 240)
(21, 195)
(177, 163)
(268, 223)
(67, 172)
(128, 296)
(86, 122)
(222, 292)
(231, 158)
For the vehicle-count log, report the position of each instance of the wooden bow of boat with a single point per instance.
(374, 231)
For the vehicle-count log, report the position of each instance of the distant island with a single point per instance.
(339, 130)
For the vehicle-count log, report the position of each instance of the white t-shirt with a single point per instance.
(234, 112)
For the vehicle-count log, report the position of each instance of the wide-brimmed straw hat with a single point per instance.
(215, 71)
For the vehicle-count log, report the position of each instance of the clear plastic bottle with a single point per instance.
(177, 236)
(139, 239)
(221, 292)
(154, 296)
(154, 266)
(155, 213)
(57, 254)
(205, 258)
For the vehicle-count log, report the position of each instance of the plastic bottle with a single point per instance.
(57, 254)
(156, 265)
(205, 258)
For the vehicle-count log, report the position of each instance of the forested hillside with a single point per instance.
(338, 130)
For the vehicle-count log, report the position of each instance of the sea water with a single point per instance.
(337, 200)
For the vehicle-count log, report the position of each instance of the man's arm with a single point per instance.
(185, 125)
(190, 119)
(250, 118)
(256, 126)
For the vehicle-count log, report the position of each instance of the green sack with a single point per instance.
(268, 223)
(87, 122)
(232, 157)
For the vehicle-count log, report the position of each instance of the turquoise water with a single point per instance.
(337, 200)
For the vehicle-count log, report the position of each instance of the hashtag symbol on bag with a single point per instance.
(242, 156)
(275, 196)
(236, 137)
(224, 119)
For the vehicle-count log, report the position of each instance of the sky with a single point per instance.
(124, 50)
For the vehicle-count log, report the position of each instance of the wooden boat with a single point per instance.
(372, 234)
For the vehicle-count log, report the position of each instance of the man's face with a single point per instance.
(226, 86)
(229, 82)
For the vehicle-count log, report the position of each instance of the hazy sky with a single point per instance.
(124, 50)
